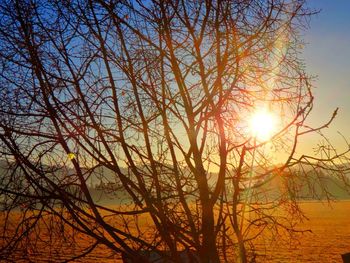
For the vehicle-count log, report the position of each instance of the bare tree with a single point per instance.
(151, 100)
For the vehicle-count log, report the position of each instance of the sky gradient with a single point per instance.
(327, 56)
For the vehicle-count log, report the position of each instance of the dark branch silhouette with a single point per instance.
(125, 124)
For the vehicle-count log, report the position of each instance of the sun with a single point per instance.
(263, 124)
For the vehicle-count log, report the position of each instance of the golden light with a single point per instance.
(263, 125)
(71, 156)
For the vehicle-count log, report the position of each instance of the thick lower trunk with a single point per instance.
(242, 251)
(208, 253)
(238, 232)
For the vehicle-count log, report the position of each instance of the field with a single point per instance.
(330, 237)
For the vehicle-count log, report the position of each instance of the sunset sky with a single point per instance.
(327, 56)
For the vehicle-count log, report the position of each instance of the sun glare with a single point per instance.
(263, 125)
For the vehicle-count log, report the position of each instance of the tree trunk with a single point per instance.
(209, 252)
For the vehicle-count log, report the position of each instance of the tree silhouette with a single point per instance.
(151, 101)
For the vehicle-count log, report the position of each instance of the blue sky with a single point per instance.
(327, 56)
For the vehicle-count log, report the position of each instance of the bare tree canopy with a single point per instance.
(148, 105)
